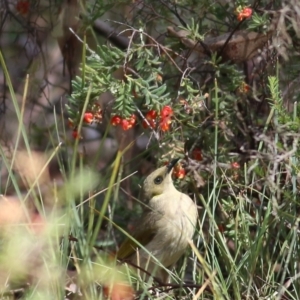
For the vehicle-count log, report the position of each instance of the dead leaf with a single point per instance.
(32, 167)
(242, 46)
(119, 291)
(11, 211)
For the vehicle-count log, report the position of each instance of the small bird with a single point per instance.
(166, 226)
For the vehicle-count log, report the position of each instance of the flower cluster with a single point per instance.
(94, 115)
(152, 117)
(164, 118)
(126, 124)
(243, 13)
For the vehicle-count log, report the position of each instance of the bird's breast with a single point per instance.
(176, 229)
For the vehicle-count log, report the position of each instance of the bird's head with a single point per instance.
(159, 181)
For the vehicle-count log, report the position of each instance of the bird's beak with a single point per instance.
(171, 165)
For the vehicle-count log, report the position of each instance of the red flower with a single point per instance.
(166, 112)
(115, 120)
(150, 117)
(244, 13)
(181, 174)
(197, 154)
(75, 134)
(88, 118)
(179, 171)
(132, 120)
(128, 123)
(165, 116)
(235, 165)
(152, 124)
(151, 114)
(164, 123)
(125, 124)
(22, 7)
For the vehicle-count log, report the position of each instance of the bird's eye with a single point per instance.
(158, 180)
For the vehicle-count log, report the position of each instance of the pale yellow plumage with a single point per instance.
(166, 226)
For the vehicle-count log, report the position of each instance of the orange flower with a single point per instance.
(125, 124)
(88, 118)
(164, 123)
(165, 115)
(243, 13)
(132, 120)
(179, 171)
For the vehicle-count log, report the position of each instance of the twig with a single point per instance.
(105, 30)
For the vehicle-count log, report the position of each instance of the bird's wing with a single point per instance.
(143, 235)
(129, 246)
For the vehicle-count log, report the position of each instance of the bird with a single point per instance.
(165, 228)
